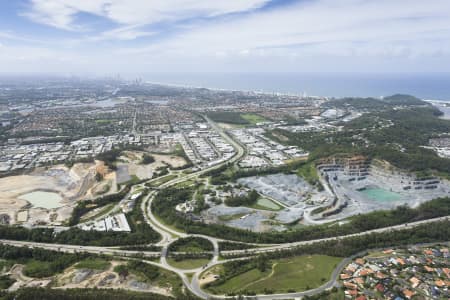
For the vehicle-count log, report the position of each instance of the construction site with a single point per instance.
(130, 165)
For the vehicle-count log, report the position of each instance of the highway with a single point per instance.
(169, 235)
(77, 248)
(287, 246)
(194, 287)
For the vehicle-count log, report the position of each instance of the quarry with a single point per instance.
(362, 186)
(48, 195)
(353, 185)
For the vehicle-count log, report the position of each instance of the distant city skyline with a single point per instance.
(114, 36)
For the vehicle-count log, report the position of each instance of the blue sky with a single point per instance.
(127, 36)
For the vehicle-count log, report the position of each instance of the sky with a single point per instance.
(135, 36)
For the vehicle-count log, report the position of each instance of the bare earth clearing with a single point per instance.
(71, 185)
(130, 165)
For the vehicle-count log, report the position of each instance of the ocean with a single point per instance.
(434, 86)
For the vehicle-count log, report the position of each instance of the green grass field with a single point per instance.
(253, 118)
(188, 264)
(236, 118)
(189, 276)
(266, 204)
(229, 117)
(240, 282)
(38, 269)
(286, 275)
(93, 264)
(185, 184)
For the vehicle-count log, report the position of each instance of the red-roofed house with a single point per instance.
(351, 292)
(446, 271)
(380, 287)
(439, 283)
(414, 282)
(350, 285)
(408, 294)
(428, 269)
(363, 272)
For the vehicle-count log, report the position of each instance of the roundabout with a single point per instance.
(202, 265)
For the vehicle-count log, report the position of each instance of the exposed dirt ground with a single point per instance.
(72, 184)
(84, 278)
(108, 279)
(210, 275)
(132, 160)
(16, 272)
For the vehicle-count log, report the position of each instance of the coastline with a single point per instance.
(432, 86)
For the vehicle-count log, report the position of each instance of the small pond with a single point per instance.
(380, 195)
(43, 199)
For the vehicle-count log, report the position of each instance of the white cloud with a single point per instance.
(382, 28)
(353, 34)
(62, 13)
(13, 36)
(52, 13)
(123, 33)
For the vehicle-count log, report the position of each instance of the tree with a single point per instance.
(262, 263)
(147, 159)
(98, 176)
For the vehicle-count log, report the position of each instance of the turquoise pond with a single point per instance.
(381, 195)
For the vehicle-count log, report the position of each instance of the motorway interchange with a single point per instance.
(169, 235)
